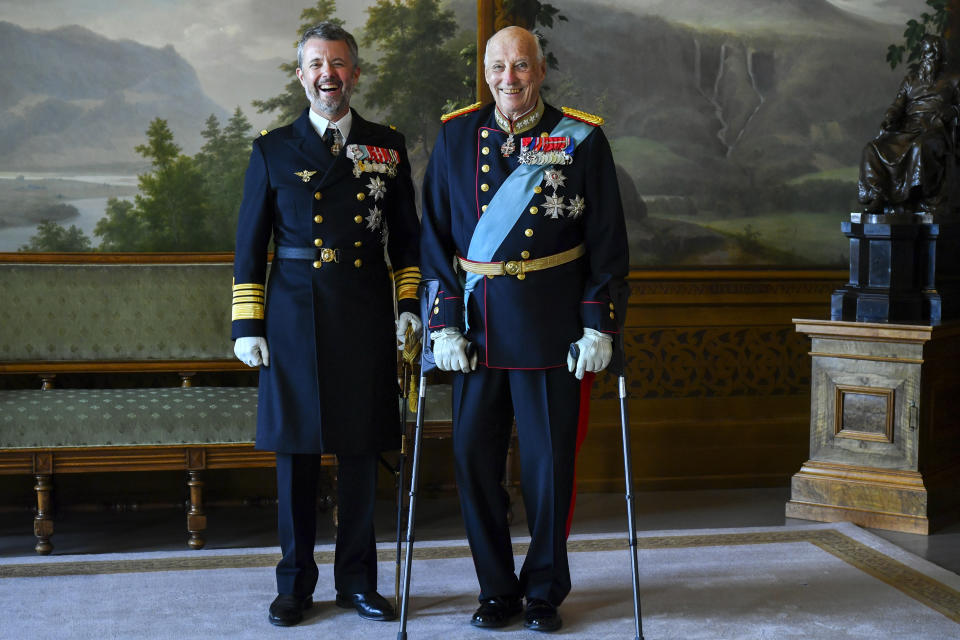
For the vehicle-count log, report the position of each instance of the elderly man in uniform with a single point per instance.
(523, 197)
(329, 188)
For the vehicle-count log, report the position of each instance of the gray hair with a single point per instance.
(536, 38)
(332, 32)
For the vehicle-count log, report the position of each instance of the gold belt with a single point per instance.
(520, 267)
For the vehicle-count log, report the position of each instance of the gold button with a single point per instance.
(485, 150)
(484, 187)
(483, 208)
(611, 306)
(528, 233)
(490, 277)
(612, 315)
(524, 254)
(544, 135)
(358, 263)
(437, 300)
(484, 133)
(358, 243)
(521, 276)
(318, 242)
(361, 195)
(534, 210)
(485, 168)
(318, 219)
(317, 196)
(436, 311)
(358, 219)
(537, 189)
(317, 264)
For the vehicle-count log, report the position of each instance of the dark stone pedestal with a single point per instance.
(903, 269)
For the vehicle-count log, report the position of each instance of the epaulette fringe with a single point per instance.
(460, 112)
(583, 116)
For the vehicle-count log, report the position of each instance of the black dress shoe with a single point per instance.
(287, 609)
(494, 613)
(370, 605)
(541, 616)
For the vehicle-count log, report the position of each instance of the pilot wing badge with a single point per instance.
(304, 175)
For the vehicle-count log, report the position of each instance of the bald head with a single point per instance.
(514, 69)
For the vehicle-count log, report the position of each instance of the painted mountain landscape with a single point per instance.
(737, 125)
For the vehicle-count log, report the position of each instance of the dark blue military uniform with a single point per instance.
(523, 327)
(328, 317)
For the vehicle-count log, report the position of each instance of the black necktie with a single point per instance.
(333, 139)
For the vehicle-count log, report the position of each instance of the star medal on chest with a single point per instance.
(304, 175)
(376, 224)
(377, 188)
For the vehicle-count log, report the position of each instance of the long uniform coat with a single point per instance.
(529, 323)
(331, 384)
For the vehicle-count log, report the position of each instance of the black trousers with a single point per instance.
(546, 404)
(355, 562)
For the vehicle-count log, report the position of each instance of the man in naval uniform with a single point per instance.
(332, 190)
(524, 199)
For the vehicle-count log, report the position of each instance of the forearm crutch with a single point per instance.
(628, 480)
(428, 291)
(618, 367)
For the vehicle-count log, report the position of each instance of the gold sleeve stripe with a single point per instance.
(460, 112)
(250, 299)
(249, 311)
(248, 287)
(407, 281)
(583, 116)
(407, 292)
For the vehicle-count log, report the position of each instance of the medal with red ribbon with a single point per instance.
(546, 150)
(370, 159)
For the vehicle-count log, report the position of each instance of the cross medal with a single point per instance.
(508, 147)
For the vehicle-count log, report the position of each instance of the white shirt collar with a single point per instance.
(320, 123)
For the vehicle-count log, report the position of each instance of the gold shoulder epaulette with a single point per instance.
(582, 116)
(460, 112)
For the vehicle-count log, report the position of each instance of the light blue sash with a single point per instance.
(508, 204)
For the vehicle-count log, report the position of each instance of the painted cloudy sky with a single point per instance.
(236, 45)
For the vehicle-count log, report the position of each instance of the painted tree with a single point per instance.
(936, 22)
(223, 161)
(170, 212)
(51, 236)
(419, 71)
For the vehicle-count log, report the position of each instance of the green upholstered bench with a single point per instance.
(62, 319)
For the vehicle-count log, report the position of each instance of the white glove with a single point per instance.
(405, 320)
(252, 351)
(450, 351)
(596, 350)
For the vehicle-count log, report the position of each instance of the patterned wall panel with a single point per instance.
(712, 362)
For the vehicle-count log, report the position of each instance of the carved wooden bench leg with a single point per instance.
(43, 521)
(196, 518)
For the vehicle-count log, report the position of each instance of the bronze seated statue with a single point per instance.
(907, 168)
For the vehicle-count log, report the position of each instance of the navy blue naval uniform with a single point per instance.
(523, 328)
(328, 317)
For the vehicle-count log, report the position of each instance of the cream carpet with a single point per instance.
(832, 581)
